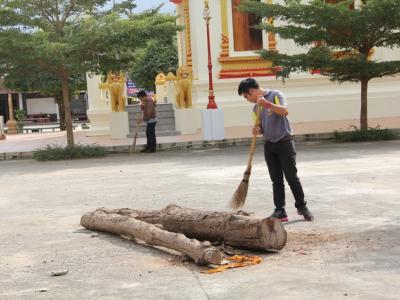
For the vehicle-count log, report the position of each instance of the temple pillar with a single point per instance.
(11, 123)
(99, 112)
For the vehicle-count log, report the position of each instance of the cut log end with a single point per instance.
(85, 220)
(212, 256)
(272, 234)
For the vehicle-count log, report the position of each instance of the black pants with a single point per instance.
(281, 160)
(151, 136)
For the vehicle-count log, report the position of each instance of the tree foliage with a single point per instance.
(64, 39)
(159, 56)
(337, 38)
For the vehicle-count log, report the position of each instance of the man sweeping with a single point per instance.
(279, 148)
(149, 115)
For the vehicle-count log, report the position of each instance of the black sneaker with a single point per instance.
(144, 151)
(306, 213)
(280, 214)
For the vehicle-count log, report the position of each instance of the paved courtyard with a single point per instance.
(351, 251)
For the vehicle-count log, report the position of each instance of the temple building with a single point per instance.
(233, 39)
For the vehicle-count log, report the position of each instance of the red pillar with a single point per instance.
(211, 98)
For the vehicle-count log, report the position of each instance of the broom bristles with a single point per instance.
(239, 197)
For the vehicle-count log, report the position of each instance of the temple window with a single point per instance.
(245, 37)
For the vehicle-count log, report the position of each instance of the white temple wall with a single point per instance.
(311, 98)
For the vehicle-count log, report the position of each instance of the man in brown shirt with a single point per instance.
(149, 115)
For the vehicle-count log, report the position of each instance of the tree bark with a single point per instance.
(232, 229)
(61, 111)
(67, 108)
(200, 252)
(364, 105)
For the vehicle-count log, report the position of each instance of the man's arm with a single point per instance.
(279, 109)
(257, 128)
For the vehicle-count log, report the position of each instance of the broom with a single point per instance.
(135, 136)
(239, 197)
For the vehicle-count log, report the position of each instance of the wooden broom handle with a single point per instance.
(253, 142)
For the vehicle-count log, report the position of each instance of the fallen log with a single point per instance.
(231, 228)
(200, 252)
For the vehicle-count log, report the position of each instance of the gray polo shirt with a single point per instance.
(274, 126)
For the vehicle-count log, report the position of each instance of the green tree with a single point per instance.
(68, 38)
(339, 39)
(159, 56)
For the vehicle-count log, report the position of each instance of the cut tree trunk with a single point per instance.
(232, 229)
(200, 252)
(67, 110)
(364, 105)
(61, 110)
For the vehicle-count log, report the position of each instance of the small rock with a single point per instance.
(345, 294)
(59, 273)
(94, 234)
(43, 290)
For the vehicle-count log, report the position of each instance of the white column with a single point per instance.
(161, 92)
(2, 135)
(99, 110)
(119, 125)
(20, 102)
(213, 124)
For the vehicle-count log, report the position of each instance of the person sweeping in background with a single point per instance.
(149, 115)
(279, 147)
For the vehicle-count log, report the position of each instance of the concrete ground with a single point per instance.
(351, 251)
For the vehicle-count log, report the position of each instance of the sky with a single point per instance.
(146, 4)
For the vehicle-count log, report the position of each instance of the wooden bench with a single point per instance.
(41, 118)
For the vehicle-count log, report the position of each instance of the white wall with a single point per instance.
(41, 105)
(311, 98)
